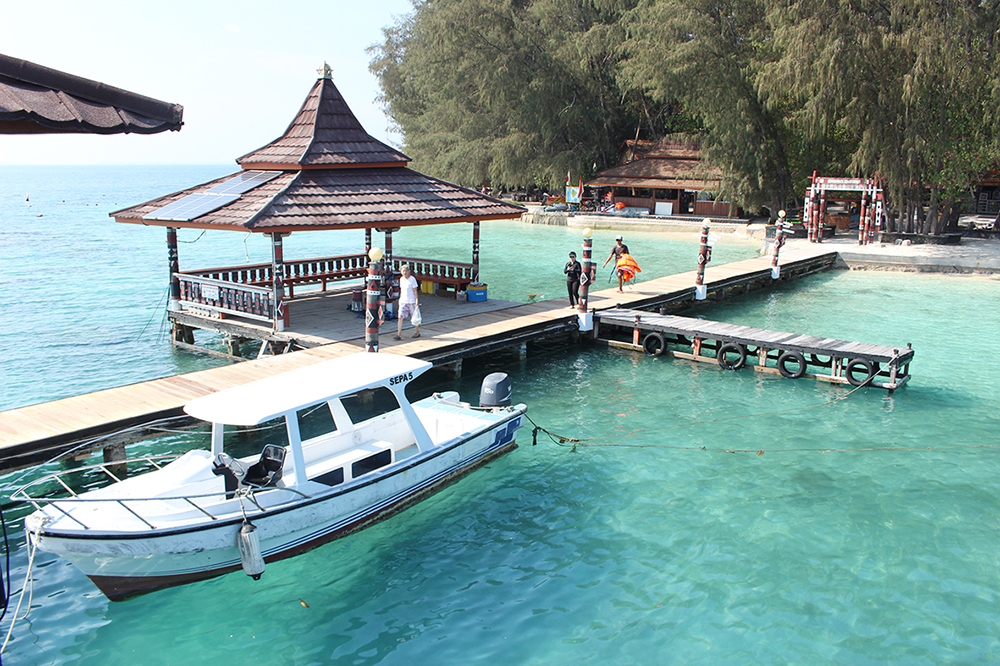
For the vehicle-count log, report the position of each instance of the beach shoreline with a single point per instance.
(980, 256)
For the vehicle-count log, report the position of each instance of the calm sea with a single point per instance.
(815, 528)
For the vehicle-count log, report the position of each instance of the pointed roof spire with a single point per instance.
(324, 134)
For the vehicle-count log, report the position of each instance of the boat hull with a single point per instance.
(128, 565)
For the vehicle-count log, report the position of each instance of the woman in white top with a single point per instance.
(408, 301)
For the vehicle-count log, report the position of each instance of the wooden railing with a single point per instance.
(241, 299)
(307, 271)
(248, 290)
(445, 272)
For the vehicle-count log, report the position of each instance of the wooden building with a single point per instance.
(666, 178)
(324, 173)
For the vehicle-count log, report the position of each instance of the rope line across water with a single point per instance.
(573, 442)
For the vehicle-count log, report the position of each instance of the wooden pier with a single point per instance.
(35, 433)
(733, 347)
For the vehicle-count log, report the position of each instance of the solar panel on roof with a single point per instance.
(191, 206)
(244, 182)
(196, 205)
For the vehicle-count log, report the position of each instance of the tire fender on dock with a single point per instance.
(870, 371)
(654, 344)
(733, 348)
(796, 357)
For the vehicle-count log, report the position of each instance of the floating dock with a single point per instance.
(116, 416)
(733, 347)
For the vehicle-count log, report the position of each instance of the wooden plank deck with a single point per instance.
(44, 427)
(705, 329)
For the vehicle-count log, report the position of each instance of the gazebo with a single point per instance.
(325, 172)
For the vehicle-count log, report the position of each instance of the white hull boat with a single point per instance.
(346, 447)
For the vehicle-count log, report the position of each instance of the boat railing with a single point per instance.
(24, 494)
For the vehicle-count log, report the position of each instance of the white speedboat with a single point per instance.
(344, 448)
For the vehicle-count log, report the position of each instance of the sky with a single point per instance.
(241, 70)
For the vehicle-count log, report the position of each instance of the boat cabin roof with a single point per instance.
(271, 397)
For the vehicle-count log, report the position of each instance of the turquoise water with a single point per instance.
(821, 527)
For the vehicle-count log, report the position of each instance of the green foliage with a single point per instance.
(520, 91)
(516, 92)
(912, 81)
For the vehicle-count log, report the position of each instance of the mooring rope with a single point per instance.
(29, 586)
(156, 311)
(573, 442)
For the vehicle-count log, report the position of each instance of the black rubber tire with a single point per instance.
(870, 371)
(734, 348)
(791, 356)
(823, 364)
(654, 344)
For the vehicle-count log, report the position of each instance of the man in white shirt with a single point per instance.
(408, 301)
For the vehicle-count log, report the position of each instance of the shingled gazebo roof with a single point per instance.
(324, 172)
(39, 100)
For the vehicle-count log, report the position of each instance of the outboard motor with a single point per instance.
(495, 391)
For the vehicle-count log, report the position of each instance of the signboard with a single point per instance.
(844, 184)
(573, 194)
(210, 292)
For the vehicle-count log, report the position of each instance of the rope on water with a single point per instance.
(573, 442)
(29, 587)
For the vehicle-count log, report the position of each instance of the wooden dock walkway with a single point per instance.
(35, 433)
(732, 346)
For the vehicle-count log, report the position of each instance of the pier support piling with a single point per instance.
(114, 457)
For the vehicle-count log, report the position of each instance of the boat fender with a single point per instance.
(732, 348)
(861, 363)
(250, 555)
(654, 344)
(495, 391)
(798, 359)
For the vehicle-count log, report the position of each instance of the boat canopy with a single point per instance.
(271, 397)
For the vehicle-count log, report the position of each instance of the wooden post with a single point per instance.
(704, 256)
(779, 240)
(386, 275)
(173, 261)
(368, 239)
(862, 217)
(821, 216)
(588, 267)
(635, 331)
(114, 457)
(878, 208)
(387, 250)
(372, 315)
(475, 251)
(278, 278)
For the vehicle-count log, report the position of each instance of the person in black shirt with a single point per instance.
(572, 271)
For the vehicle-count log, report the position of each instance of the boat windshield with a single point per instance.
(316, 421)
(369, 403)
(247, 441)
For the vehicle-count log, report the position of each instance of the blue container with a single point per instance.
(476, 294)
